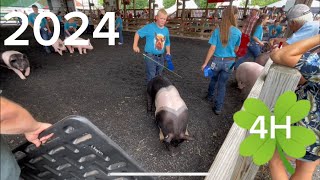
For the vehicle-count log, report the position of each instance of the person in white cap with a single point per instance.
(300, 21)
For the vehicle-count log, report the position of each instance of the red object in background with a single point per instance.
(280, 44)
(127, 2)
(243, 48)
(215, 1)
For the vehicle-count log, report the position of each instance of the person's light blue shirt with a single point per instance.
(308, 30)
(69, 25)
(258, 33)
(32, 17)
(156, 38)
(233, 42)
(274, 31)
(119, 21)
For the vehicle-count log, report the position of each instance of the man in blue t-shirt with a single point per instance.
(275, 30)
(157, 41)
(70, 27)
(119, 27)
(45, 31)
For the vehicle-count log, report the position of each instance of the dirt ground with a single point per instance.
(107, 86)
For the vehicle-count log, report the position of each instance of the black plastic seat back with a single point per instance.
(78, 150)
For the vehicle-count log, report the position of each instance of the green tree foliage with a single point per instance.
(203, 3)
(168, 3)
(140, 4)
(260, 3)
(100, 2)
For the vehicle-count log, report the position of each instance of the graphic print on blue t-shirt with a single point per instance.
(159, 41)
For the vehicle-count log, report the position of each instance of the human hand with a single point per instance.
(261, 43)
(33, 136)
(203, 66)
(136, 49)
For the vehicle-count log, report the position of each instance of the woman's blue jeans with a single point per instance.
(254, 50)
(221, 70)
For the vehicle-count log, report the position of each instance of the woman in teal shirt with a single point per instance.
(254, 48)
(224, 42)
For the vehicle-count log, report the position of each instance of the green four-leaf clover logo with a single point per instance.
(274, 129)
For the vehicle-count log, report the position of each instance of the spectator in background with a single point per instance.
(45, 31)
(273, 11)
(119, 27)
(100, 15)
(16, 120)
(275, 29)
(265, 10)
(300, 21)
(282, 10)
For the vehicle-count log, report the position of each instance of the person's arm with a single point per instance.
(168, 43)
(236, 49)
(30, 22)
(47, 25)
(208, 57)
(135, 43)
(290, 54)
(16, 120)
(66, 26)
(168, 50)
(257, 33)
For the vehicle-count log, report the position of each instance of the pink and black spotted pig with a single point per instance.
(171, 112)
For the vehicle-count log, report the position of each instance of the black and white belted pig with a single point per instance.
(171, 113)
(17, 62)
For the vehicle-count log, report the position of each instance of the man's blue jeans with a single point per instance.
(45, 36)
(120, 35)
(221, 73)
(153, 69)
(254, 50)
